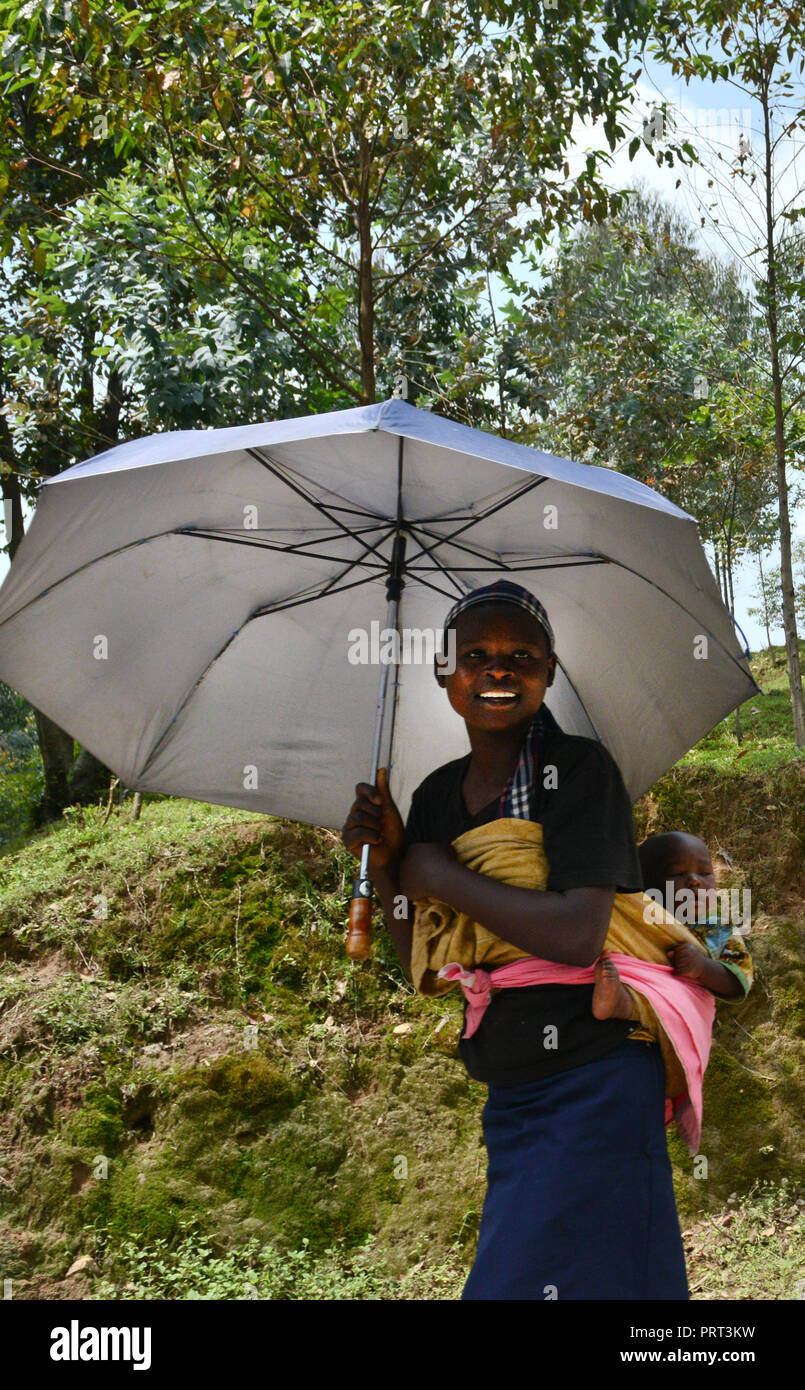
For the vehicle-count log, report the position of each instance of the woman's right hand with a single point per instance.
(374, 819)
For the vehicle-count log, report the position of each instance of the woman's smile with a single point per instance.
(494, 698)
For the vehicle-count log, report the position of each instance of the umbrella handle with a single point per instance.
(359, 940)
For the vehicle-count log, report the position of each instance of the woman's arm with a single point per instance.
(568, 927)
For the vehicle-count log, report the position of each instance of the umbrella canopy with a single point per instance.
(185, 604)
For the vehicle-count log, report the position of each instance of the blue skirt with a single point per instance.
(580, 1201)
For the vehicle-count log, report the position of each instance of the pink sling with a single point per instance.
(684, 1007)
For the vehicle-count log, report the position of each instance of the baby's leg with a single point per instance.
(611, 998)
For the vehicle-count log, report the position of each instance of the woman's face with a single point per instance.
(502, 667)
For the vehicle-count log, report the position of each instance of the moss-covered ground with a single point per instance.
(201, 1097)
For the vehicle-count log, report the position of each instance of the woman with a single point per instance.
(580, 1200)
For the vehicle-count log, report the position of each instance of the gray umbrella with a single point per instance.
(189, 605)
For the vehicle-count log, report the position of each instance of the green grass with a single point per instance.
(767, 741)
(754, 1249)
(193, 1270)
(175, 999)
(751, 1250)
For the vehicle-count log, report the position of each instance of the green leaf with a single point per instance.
(135, 33)
(353, 55)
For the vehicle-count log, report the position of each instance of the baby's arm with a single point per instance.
(688, 961)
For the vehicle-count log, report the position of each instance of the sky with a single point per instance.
(715, 117)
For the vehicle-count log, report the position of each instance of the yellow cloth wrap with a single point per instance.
(511, 851)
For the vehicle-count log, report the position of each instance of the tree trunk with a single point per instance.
(57, 758)
(731, 595)
(721, 575)
(88, 779)
(11, 490)
(765, 602)
(67, 780)
(55, 745)
(502, 424)
(786, 567)
(501, 405)
(366, 302)
(109, 414)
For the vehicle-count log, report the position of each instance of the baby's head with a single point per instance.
(679, 867)
(504, 656)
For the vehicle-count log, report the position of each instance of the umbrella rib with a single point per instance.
(591, 558)
(429, 551)
(413, 529)
(482, 516)
(282, 605)
(527, 567)
(377, 525)
(278, 473)
(181, 531)
(356, 511)
(297, 549)
(190, 693)
(600, 559)
(645, 580)
(444, 592)
(328, 589)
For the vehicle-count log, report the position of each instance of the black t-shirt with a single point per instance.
(532, 1032)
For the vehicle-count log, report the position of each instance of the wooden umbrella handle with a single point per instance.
(359, 940)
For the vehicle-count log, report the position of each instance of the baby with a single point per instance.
(723, 965)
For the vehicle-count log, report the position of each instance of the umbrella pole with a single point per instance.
(359, 940)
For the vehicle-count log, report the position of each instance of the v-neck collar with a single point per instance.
(549, 725)
(465, 810)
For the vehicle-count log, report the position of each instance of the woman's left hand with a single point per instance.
(423, 868)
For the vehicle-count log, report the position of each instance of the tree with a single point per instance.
(398, 151)
(645, 354)
(613, 341)
(313, 189)
(41, 167)
(104, 331)
(768, 592)
(763, 42)
(729, 477)
(642, 349)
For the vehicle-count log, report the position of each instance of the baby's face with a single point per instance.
(690, 869)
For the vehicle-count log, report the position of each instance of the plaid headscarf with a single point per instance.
(519, 797)
(503, 591)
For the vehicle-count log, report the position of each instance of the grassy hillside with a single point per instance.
(200, 1096)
